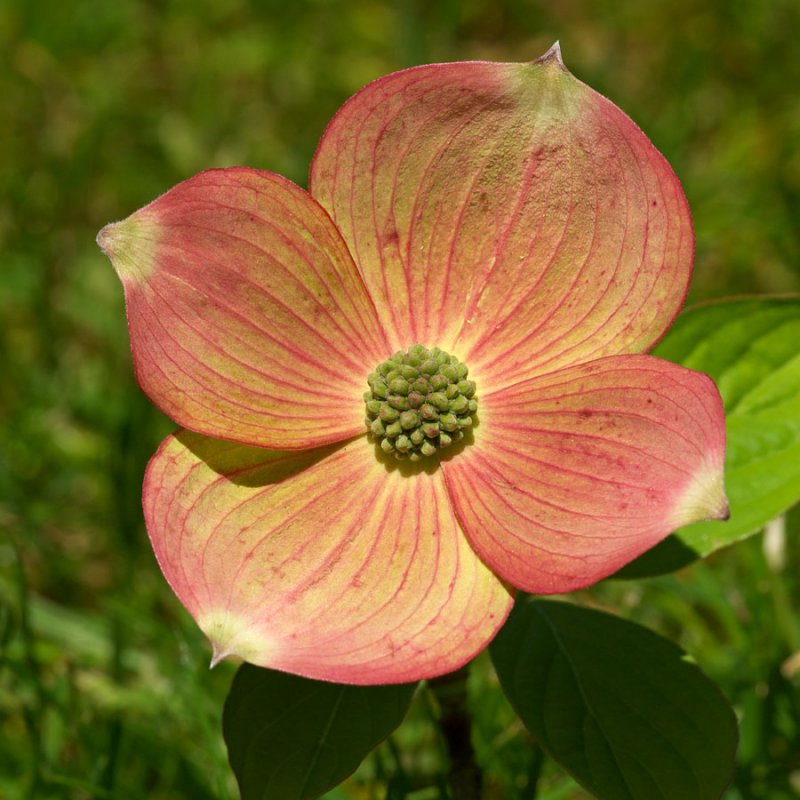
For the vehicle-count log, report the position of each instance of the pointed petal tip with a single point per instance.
(703, 498)
(105, 237)
(130, 245)
(552, 56)
(217, 655)
(233, 636)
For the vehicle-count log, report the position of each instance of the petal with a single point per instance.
(322, 563)
(575, 473)
(248, 319)
(509, 212)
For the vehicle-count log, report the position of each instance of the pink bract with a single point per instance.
(506, 213)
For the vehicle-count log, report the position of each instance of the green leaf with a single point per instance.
(292, 738)
(750, 348)
(620, 708)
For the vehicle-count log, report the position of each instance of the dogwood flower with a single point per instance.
(420, 384)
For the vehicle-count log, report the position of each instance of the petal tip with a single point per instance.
(232, 636)
(217, 655)
(703, 498)
(130, 245)
(106, 237)
(552, 57)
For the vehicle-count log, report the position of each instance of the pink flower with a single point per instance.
(504, 213)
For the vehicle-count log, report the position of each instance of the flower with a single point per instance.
(505, 213)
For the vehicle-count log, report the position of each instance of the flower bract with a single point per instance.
(422, 383)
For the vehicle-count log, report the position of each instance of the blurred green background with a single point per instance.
(104, 686)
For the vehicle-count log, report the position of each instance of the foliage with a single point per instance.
(619, 707)
(291, 737)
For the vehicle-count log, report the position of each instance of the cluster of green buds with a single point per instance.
(419, 402)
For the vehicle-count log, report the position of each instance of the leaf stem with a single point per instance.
(455, 721)
(534, 772)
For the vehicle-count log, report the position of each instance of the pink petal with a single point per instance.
(508, 212)
(248, 319)
(323, 563)
(575, 473)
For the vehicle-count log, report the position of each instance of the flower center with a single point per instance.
(419, 401)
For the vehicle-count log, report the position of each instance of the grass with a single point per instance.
(104, 686)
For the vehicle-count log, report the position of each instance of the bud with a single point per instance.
(419, 402)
